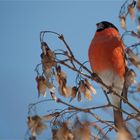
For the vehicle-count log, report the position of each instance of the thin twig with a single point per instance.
(87, 111)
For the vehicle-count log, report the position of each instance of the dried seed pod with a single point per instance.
(87, 94)
(89, 86)
(48, 60)
(131, 11)
(123, 23)
(64, 133)
(73, 93)
(41, 85)
(35, 125)
(65, 91)
(44, 47)
(62, 85)
(69, 91)
(61, 78)
(81, 131)
(82, 86)
(62, 90)
(63, 75)
(86, 88)
(130, 77)
(133, 58)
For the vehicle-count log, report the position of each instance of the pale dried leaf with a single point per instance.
(73, 93)
(130, 77)
(133, 58)
(48, 60)
(31, 123)
(68, 91)
(41, 85)
(64, 133)
(40, 127)
(44, 47)
(90, 87)
(51, 54)
(35, 125)
(62, 90)
(63, 74)
(131, 11)
(132, 55)
(61, 79)
(65, 91)
(85, 87)
(87, 94)
(82, 87)
(81, 131)
(136, 64)
(86, 132)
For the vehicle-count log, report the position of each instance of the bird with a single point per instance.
(106, 55)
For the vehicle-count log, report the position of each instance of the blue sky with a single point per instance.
(20, 24)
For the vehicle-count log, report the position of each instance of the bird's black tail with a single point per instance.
(118, 118)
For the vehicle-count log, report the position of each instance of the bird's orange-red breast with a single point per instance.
(107, 52)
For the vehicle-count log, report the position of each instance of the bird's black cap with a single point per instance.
(105, 24)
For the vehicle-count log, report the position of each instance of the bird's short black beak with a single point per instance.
(97, 24)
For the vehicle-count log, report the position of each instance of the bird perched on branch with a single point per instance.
(107, 60)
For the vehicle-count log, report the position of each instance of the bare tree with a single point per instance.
(65, 122)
